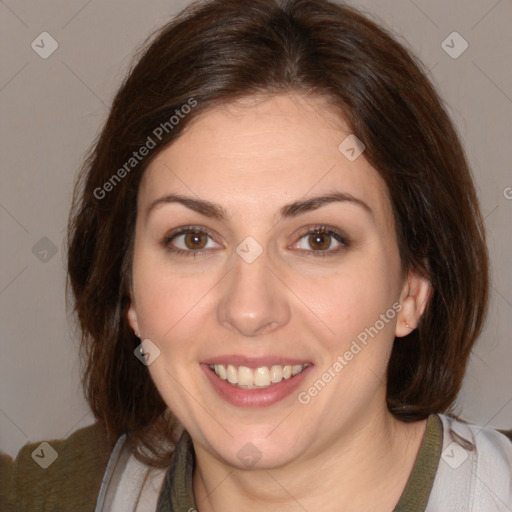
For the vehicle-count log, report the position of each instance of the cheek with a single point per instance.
(357, 305)
(164, 298)
(352, 300)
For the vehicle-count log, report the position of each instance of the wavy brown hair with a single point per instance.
(216, 52)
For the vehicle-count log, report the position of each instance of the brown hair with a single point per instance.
(218, 51)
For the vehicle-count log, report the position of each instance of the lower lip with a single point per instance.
(254, 397)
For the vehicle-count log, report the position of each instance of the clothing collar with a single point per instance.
(177, 491)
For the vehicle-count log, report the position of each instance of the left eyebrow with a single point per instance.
(313, 203)
(217, 211)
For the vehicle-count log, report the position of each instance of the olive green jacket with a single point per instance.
(71, 483)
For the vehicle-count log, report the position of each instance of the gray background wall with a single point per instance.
(51, 109)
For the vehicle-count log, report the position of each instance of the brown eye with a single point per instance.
(189, 241)
(319, 241)
(195, 240)
(322, 241)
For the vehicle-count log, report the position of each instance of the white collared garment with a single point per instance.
(474, 472)
(128, 485)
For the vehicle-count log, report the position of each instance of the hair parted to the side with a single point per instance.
(216, 52)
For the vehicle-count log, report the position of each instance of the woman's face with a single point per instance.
(233, 279)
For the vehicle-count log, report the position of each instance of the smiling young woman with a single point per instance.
(278, 220)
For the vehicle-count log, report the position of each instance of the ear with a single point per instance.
(414, 296)
(132, 319)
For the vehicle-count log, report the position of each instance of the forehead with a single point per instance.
(263, 151)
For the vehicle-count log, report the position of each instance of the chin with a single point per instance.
(256, 449)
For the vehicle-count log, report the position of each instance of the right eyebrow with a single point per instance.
(207, 208)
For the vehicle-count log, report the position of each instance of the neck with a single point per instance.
(365, 468)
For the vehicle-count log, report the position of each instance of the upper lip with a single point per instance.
(255, 362)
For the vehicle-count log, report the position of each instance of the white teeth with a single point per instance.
(245, 377)
(297, 368)
(276, 373)
(261, 377)
(232, 374)
(222, 373)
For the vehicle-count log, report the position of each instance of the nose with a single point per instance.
(254, 300)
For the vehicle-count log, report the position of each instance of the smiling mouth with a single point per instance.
(257, 378)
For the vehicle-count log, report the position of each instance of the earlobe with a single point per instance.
(132, 320)
(414, 298)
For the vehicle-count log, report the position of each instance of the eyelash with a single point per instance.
(321, 229)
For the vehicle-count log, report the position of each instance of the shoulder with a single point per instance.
(475, 468)
(485, 443)
(61, 474)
